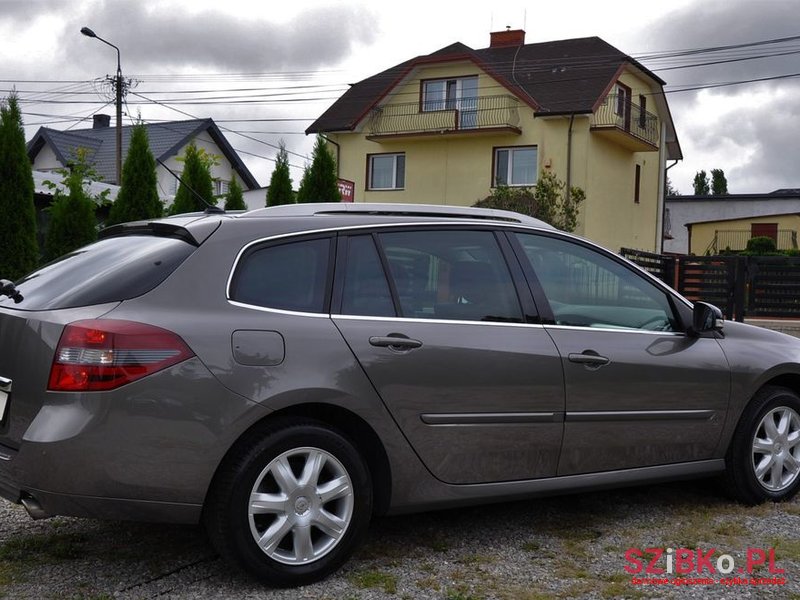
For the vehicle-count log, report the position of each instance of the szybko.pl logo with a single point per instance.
(652, 564)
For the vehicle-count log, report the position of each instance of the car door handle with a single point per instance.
(394, 342)
(588, 358)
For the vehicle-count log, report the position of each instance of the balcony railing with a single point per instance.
(622, 115)
(466, 114)
(736, 239)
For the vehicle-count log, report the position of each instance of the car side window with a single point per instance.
(288, 276)
(455, 275)
(587, 289)
(366, 291)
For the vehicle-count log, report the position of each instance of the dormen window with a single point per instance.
(515, 166)
(386, 171)
(459, 94)
(448, 94)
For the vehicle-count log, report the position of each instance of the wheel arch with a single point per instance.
(348, 423)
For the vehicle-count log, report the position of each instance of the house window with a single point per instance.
(623, 99)
(458, 94)
(386, 171)
(515, 166)
(449, 94)
(637, 181)
(221, 187)
(642, 111)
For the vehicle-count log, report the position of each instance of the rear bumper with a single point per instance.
(9, 489)
(74, 505)
(146, 452)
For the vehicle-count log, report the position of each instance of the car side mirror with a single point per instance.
(705, 317)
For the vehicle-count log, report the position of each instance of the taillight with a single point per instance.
(103, 354)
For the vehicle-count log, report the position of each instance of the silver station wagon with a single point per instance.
(283, 375)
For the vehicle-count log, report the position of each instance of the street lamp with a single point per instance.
(118, 85)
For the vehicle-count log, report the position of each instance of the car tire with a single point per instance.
(763, 459)
(290, 502)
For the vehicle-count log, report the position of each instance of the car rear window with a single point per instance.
(110, 270)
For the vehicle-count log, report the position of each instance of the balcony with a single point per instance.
(736, 240)
(484, 114)
(626, 124)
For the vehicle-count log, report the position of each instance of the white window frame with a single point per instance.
(510, 166)
(370, 171)
(445, 101)
(222, 187)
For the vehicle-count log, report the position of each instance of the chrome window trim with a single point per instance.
(279, 311)
(449, 225)
(439, 321)
(615, 330)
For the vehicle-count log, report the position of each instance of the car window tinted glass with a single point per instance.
(366, 291)
(110, 270)
(587, 289)
(458, 275)
(289, 276)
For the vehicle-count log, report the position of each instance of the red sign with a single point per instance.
(347, 189)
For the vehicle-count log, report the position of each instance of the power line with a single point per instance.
(228, 130)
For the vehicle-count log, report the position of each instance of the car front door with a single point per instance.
(447, 341)
(639, 391)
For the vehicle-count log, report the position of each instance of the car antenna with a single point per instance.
(210, 208)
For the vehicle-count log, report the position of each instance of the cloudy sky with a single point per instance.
(264, 70)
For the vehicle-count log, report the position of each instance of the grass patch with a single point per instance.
(728, 529)
(54, 547)
(461, 592)
(428, 583)
(786, 548)
(531, 546)
(475, 559)
(375, 579)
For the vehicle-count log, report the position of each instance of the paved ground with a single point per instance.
(564, 547)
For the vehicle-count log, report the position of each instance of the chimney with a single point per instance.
(509, 37)
(100, 121)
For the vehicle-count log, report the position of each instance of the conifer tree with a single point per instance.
(319, 183)
(72, 214)
(280, 183)
(138, 197)
(196, 184)
(19, 252)
(234, 200)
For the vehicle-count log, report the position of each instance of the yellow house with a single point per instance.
(713, 237)
(448, 127)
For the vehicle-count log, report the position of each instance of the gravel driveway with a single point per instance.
(564, 547)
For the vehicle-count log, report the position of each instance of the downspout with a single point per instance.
(664, 203)
(569, 157)
(330, 141)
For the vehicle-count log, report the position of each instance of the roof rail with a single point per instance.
(400, 210)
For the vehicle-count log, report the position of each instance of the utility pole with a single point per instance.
(119, 86)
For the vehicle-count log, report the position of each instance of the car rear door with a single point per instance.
(450, 344)
(639, 391)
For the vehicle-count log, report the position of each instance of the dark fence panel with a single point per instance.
(712, 279)
(662, 267)
(755, 286)
(774, 286)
